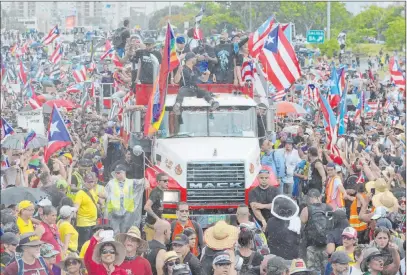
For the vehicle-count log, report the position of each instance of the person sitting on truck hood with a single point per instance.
(273, 159)
(187, 78)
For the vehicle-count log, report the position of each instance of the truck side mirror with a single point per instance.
(270, 127)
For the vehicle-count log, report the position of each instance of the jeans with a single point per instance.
(120, 52)
(191, 92)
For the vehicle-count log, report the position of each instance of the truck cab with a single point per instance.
(212, 158)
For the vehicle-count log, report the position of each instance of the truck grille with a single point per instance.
(216, 183)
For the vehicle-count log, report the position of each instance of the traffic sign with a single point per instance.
(315, 36)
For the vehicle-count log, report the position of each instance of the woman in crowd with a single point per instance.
(68, 233)
(251, 259)
(191, 234)
(349, 241)
(25, 213)
(382, 241)
(73, 265)
(50, 255)
(356, 268)
(47, 230)
(170, 260)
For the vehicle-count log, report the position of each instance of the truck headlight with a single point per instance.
(171, 196)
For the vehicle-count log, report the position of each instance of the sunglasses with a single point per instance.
(172, 263)
(69, 263)
(183, 211)
(347, 238)
(112, 252)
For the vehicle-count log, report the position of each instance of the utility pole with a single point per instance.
(328, 19)
(169, 10)
(250, 14)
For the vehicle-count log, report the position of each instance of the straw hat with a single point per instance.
(298, 265)
(368, 254)
(387, 200)
(221, 236)
(399, 127)
(119, 248)
(170, 256)
(133, 232)
(71, 256)
(380, 186)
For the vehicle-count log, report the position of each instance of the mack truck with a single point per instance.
(212, 158)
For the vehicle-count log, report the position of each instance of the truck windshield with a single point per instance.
(198, 122)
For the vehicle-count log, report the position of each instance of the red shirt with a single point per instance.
(51, 236)
(95, 268)
(12, 269)
(138, 266)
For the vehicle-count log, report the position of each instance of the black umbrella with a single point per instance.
(14, 195)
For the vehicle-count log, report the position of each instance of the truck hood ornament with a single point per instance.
(215, 152)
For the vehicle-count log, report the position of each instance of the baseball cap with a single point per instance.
(379, 212)
(314, 193)
(120, 168)
(298, 265)
(340, 257)
(48, 251)
(10, 238)
(180, 40)
(221, 258)
(44, 202)
(24, 204)
(66, 211)
(276, 265)
(181, 239)
(350, 232)
(149, 41)
(289, 140)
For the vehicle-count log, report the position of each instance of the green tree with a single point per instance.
(329, 47)
(396, 34)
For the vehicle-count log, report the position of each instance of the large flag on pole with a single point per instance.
(6, 129)
(256, 40)
(279, 60)
(108, 50)
(156, 105)
(57, 54)
(198, 19)
(396, 74)
(342, 113)
(58, 135)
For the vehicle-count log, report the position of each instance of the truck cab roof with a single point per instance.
(223, 99)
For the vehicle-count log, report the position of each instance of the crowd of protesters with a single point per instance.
(325, 212)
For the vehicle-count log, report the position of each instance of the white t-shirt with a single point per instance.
(291, 161)
(355, 271)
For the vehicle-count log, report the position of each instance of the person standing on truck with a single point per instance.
(182, 222)
(107, 78)
(154, 205)
(187, 77)
(120, 38)
(145, 73)
(261, 197)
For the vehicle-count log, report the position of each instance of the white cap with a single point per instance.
(44, 202)
(66, 211)
(379, 212)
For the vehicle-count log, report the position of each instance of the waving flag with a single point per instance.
(58, 135)
(75, 88)
(334, 96)
(6, 129)
(34, 102)
(116, 60)
(311, 93)
(13, 49)
(57, 54)
(396, 73)
(279, 96)
(328, 114)
(279, 60)
(52, 35)
(360, 109)
(198, 19)
(256, 40)
(55, 72)
(80, 74)
(156, 105)
(31, 135)
(40, 73)
(4, 161)
(248, 70)
(108, 50)
(22, 74)
(342, 113)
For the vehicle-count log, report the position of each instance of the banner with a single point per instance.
(32, 120)
(70, 22)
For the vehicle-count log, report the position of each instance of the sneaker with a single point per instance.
(214, 105)
(177, 108)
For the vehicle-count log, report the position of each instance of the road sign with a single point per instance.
(315, 37)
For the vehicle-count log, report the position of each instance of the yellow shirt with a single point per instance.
(84, 249)
(24, 227)
(65, 228)
(351, 255)
(87, 212)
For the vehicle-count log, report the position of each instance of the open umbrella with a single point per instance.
(285, 107)
(16, 141)
(14, 195)
(69, 105)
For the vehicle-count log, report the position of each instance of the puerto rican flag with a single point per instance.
(52, 35)
(57, 54)
(22, 74)
(279, 60)
(116, 61)
(311, 93)
(108, 50)
(279, 96)
(371, 108)
(257, 39)
(58, 135)
(198, 18)
(248, 70)
(80, 74)
(6, 129)
(75, 88)
(34, 102)
(361, 178)
(396, 74)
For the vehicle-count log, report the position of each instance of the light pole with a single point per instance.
(328, 19)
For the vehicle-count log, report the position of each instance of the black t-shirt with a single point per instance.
(203, 65)
(224, 69)
(108, 78)
(281, 241)
(125, 34)
(256, 261)
(147, 67)
(189, 78)
(156, 196)
(263, 196)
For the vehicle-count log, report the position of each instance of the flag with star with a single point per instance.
(6, 129)
(279, 60)
(58, 135)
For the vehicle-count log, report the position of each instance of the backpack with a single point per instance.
(317, 225)
(21, 270)
(117, 37)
